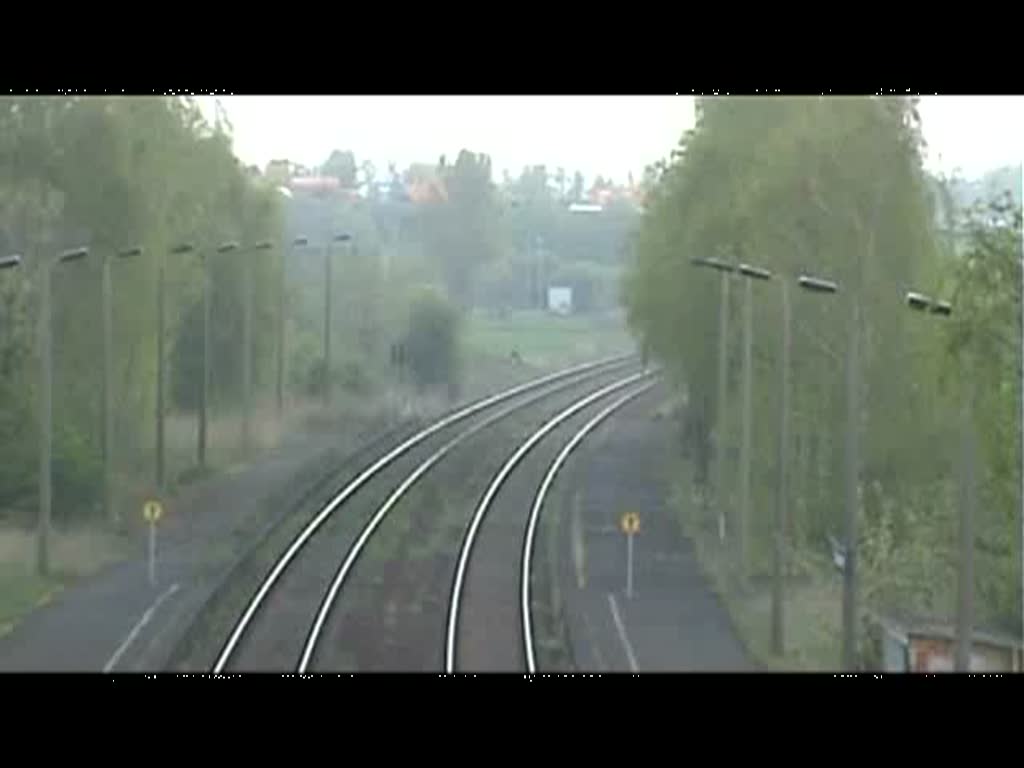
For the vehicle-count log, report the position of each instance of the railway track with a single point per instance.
(325, 602)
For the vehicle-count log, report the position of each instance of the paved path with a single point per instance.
(115, 620)
(673, 622)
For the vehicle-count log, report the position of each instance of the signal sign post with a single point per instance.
(630, 525)
(152, 511)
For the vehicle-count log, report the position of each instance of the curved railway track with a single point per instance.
(318, 618)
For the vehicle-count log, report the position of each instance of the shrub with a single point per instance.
(432, 343)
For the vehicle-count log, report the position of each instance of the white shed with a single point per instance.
(560, 299)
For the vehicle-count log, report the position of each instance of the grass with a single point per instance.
(812, 604)
(544, 340)
(812, 627)
(21, 591)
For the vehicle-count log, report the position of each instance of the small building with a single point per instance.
(560, 299)
(930, 646)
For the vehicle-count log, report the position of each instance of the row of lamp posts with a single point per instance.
(45, 342)
(814, 284)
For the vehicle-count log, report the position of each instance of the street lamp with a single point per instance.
(751, 273)
(46, 406)
(298, 242)
(264, 245)
(723, 333)
(107, 384)
(968, 494)
(204, 382)
(815, 285)
(339, 238)
(161, 289)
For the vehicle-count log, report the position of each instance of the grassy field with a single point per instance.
(544, 340)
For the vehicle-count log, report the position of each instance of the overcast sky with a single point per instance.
(608, 135)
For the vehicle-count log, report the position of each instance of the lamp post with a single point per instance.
(204, 378)
(816, 285)
(725, 269)
(247, 288)
(340, 238)
(743, 519)
(161, 290)
(46, 407)
(108, 379)
(968, 497)
(298, 242)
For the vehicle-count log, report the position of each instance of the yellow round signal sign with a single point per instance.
(152, 510)
(630, 523)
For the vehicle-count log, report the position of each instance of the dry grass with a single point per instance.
(74, 553)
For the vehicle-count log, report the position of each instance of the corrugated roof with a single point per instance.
(905, 628)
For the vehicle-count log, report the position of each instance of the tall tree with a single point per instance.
(342, 166)
(833, 188)
(461, 227)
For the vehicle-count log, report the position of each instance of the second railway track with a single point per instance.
(284, 620)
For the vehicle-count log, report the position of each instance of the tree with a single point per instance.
(342, 166)
(984, 346)
(114, 173)
(460, 221)
(576, 193)
(834, 188)
(432, 343)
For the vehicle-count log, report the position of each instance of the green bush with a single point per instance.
(17, 436)
(432, 343)
(77, 474)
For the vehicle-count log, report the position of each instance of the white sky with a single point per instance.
(608, 135)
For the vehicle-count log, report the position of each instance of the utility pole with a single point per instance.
(968, 503)
(246, 356)
(107, 300)
(45, 421)
(282, 355)
(723, 373)
(968, 496)
(778, 615)
(204, 377)
(247, 287)
(747, 416)
(279, 384)
(46, 406)
(726, 270)
(781, 505)
(746, 448)
(852, 476)
(108, 395)
(160, 287)
(328, 278)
